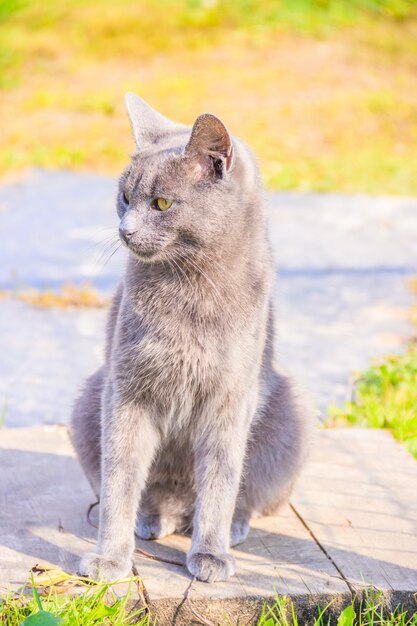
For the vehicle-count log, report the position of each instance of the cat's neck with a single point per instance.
(202, 286)
(185, 275)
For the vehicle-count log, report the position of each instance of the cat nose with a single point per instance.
(126, 235)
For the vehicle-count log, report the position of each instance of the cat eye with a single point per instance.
(126, 197)
(162, 204)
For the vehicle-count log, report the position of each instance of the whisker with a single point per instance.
(173, 267)
(116, 249)
(183, 272)
(201, 271)
(108, 249)
(174, 270)
(104, 240)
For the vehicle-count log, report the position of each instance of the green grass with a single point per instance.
(370, 611)
(385, 396)
(95, 607)
(101, 607)
(327, 97)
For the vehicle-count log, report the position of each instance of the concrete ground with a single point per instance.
(352, 523)
(342, 298)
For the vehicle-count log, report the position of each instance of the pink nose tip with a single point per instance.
(126, 235)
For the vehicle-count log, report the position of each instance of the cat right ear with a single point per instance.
(147, 124)
(210, 138)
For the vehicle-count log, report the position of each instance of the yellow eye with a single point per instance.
(126, 197)
(162, 204)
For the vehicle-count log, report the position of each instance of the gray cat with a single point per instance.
(188, 421)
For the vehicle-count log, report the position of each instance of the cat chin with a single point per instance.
(146, 256)
(140, 252)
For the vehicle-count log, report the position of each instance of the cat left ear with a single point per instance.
(210, 138)
(147, 124)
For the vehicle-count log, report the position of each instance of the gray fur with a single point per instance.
(188, 421)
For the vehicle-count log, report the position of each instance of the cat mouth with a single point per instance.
(143, 249)
(143, 253)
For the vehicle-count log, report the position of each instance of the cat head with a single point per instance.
(184, 187)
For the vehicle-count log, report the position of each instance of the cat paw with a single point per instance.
(211, 567)
(154, 526)
(239, 531)
(98, 567)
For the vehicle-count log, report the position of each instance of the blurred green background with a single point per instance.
(325, 91)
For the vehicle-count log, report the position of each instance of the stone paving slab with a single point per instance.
(341, 294)
(352, 523)
(364, 511)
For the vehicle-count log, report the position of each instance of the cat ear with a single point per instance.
(147, 124)
(210, 137)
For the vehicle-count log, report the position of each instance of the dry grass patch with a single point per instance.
(68, 296)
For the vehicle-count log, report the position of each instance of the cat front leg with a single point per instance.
(129, 442)
(219, 454)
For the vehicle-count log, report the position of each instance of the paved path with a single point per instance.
(341, 291)
(352, 524)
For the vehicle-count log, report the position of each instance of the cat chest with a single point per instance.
(174, 368)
